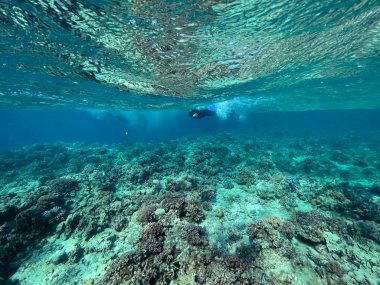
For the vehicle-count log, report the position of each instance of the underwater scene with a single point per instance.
(190, 142)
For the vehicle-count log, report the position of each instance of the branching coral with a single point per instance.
(194, 235)
(152, 238)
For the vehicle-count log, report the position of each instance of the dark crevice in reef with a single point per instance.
(227, 209)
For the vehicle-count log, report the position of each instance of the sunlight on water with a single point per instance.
(58, 52)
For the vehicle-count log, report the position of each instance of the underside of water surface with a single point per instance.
(309, 55)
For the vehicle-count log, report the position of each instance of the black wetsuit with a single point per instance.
(201, 113)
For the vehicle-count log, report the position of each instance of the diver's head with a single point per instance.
(194, 113)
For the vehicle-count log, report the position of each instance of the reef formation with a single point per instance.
(232, 208)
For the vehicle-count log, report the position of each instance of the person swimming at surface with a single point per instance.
(211, 110)
(199, 113)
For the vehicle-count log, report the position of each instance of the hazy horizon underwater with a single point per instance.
(189, 142)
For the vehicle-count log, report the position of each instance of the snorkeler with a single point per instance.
(211, 110)
(199, 113)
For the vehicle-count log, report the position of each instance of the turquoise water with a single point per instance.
(310, 55)
(107, 178)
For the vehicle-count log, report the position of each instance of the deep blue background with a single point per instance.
(26, 126)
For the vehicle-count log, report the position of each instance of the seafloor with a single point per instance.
(233, 208)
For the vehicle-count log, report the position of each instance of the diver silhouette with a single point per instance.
(211, 110)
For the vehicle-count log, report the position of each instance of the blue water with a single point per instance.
(110, 174)
(30, 126)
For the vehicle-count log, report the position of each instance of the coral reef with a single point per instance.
(194, 235)
(152, 238)
(226, 209)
